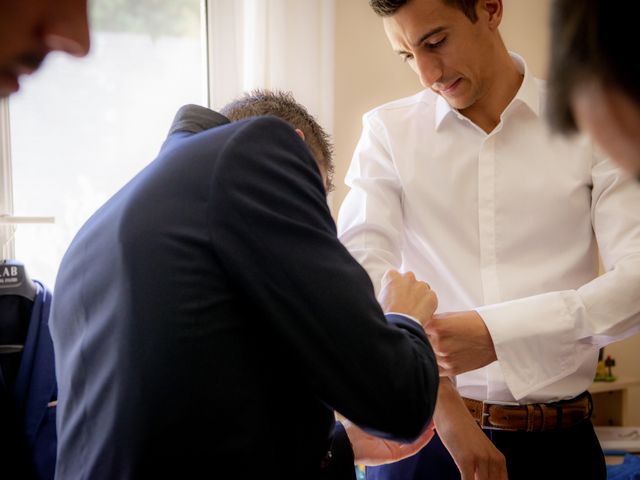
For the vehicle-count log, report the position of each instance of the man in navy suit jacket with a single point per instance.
(207, 322)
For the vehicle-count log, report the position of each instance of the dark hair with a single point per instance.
(386, 8)
(587, 43)
(283, 105)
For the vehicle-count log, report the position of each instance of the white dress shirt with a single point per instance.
(508, 224)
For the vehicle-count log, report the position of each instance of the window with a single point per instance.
(80, 129)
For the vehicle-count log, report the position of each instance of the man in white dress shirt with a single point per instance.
(464, 184)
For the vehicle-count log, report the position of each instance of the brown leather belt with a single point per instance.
(533, 417)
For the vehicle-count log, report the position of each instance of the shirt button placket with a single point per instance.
(487, 220)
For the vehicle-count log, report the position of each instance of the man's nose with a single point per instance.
(67, 28)
(429, 69)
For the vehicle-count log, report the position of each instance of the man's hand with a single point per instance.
(461, 342)
(371, 451)
(474, 454)
(402, 293)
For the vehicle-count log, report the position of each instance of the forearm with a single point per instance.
(450, 408)
(371, 450)
(472, 451)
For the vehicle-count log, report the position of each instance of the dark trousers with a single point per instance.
(563, 454)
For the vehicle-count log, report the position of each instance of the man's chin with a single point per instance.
(459, 102)
(8, 84)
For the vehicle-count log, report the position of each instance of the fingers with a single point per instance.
(394, 275)
(446, 367)
(499, 469)
(389, 276)
(493, 467)
(402, 293)
(466, 471)
(496, 470)
(483, 471)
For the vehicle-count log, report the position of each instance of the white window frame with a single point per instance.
(6, 184)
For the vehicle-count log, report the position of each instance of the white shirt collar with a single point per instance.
(527, 94)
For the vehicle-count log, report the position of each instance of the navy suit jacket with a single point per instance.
(207, 321)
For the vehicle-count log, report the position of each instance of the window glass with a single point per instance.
(82, 128)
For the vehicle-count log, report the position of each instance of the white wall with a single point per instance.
(367, 73)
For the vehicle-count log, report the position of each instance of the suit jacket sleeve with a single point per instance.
(275, 236)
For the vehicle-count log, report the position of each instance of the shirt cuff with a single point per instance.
(534, 340)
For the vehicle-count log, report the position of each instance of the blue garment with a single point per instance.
(36, 387)
(628, 470)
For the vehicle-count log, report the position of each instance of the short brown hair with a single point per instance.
(282, 105)
(386, 8)
(587, 40)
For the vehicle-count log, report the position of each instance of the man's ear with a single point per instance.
(493, 9)
(300, 133)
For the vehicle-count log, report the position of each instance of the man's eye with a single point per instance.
(437, 44)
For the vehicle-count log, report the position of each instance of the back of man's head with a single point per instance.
(386, 8)
(283, 105)
(586, 45)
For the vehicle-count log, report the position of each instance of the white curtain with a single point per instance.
(276, 44)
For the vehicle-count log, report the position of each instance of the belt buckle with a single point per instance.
(484, 415)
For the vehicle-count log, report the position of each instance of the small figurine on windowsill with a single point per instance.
(603, 371)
